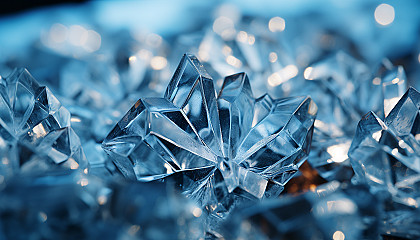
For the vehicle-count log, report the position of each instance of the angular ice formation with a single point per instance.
(385, 154)
(213, 145)
(345, 89)
(35, 127)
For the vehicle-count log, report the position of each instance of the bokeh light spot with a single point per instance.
(384, 14)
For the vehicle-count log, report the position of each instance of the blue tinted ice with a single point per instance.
(385, 154)
(214, 145)
(345, 89)
(35, 127)
(331, 211)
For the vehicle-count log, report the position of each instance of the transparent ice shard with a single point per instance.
(192, 90)
(99, 163)
(385, 155)
(213, 146)
(36, 120)
(236, 103)
(345, 89)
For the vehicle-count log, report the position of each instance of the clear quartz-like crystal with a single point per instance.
(385, 154)
(32, 118)
(213, 145)
(344, 90)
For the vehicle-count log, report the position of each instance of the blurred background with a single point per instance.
(371, 30)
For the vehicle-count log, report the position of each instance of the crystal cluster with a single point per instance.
(345, 89)
(35, 128)
(217, 145)
(385, 155)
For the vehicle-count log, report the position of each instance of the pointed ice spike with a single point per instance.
(192, 90)
(55, 109)
(369, 131)
(236, 109)
(21, 89)
(404, 117)
(262, 108)
(385, 154)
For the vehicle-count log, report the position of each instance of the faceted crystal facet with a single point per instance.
(214, 145)
(344, 89)
(386, 156)
(191, 89)
(32, 118)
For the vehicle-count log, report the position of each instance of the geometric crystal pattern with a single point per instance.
(213, 145)
(36, 126)
(386, 153)
(344, 90)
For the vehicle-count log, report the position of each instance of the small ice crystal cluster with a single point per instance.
(215, 145)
